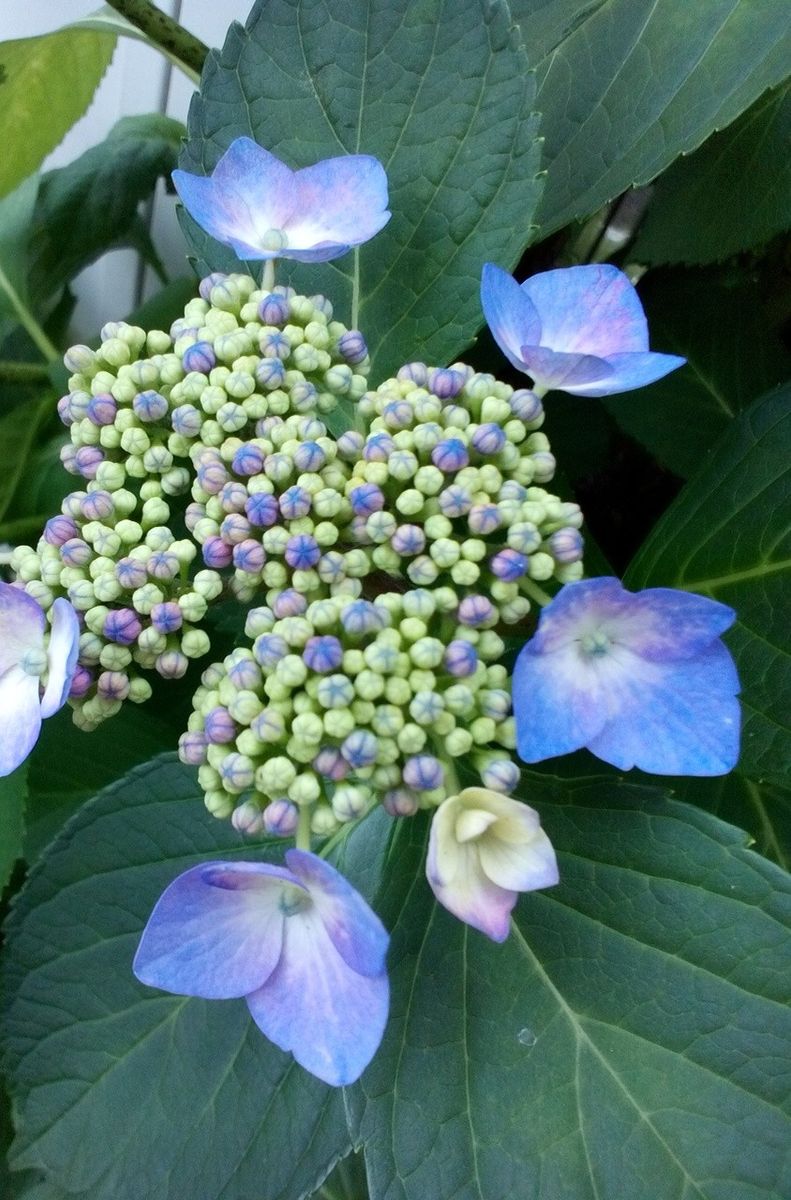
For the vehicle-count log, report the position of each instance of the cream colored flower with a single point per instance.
(484, 849)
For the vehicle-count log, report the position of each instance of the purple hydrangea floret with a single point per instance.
(262, 209)
(578, 329)
(640, 679)
(297, 942)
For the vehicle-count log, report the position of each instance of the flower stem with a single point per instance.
(27, 320)
(302, 840)
(538, 594)
(268, 275)
(166, 33)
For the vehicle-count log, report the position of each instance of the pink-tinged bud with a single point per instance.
(248, 460)
(417, 372)
(97, 506)
(150, 406)
(423, 772)
(220, 726)
(186, 420)
(249, 556)
(460, 659)
(87, 460)
(445, 382)
(476, 610)
(76, 553)
(131, 573)
(167, 617)
(235, 528)
(397, 414)
(68, 457)
(102, 409)
(194, 512)
(455, 501)
(295, 503)
(268, 649)
(378, 447)
(59, 530)
(64, 410)
(352, 347)
(281, 818)
(273, 309)
(212, 477)
(526, 406)
(400, 802)
(81, 683)
(450, 455)
(171, 664)
(289, 603)
(208, 282)
(245, 675)
(330, 763)
(408, 540)
(199, 357)
(163, 564)
(123, 626)
(508, 565)
(113, 685)
(366, 499)
(217, 553)
(302, 552)
(247, 818)
(566, 545)
(192, 748)
(489, 439)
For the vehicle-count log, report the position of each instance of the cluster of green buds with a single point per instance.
(447, 490)
(347, 701)
(130, 579)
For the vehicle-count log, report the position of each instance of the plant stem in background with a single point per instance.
(23, 372)
(164, 31)
(28, 321)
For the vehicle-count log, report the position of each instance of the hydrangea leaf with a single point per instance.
(90, 206)
(156, 1095)
(442, 96)
(610, 1046)
(762, 809)
(46, 84)
(722, 328)
(604, 128)
(16, 214)
(728, 536)
(733, 193)
(13, 795)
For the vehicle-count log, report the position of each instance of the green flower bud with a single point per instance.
(323, 821)
(219, 804)
(140, 690)
(305, 789)
(362, 711)
(413, 629)
(505, 733)
(151, 641)
(397, 691)
(411, 739)
(193, 606)
(209, 584)
(387, 720)
(349, 803)
(208, 776)
(338, 723)
(275, 776)
(490, 645)
(308, 727)
(244, 707)
(427, 653)
(106, 588)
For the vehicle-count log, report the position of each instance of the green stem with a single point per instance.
(23, 372)
(302, 839)
(268, 275)
(28, 321)
(166, 33)
(535, 592)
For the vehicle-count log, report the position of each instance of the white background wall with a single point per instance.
(138, 80)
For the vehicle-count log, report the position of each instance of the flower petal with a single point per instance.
(64, 645)
(355, 931)
(316, 1006)
(22, 625)
(519, 868)
(339, 202)
(567, 372)
(588, 310)
(20, 717)
(464, 889)
(216, 931)
(631, 371)
(249, 192)
(509, 312)
(681, 719)
(558, 703)
(665, 624)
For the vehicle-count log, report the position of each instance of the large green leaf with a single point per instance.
(633, 1020)
(625, 86)
(46, 83)
(91, 205)
(721, 327)
(728, 535)
(124, 1092)
(763, 809)
(734, 193)
(18, 432)
(16, 214)
(440, 92)
(13, 794)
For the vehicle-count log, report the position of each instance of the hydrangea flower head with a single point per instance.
(262, 209)
(484, 849)
(640, 679)
(579, 329)
(298, 942)
(24, 659)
